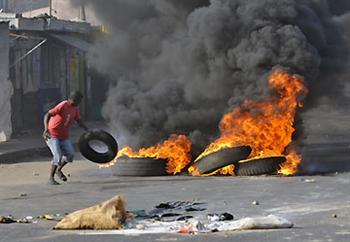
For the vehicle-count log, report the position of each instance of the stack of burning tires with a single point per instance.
(237, 156)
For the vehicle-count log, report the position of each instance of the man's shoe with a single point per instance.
(52, 182)
(61, 176)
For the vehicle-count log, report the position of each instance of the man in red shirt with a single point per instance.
(57, 123)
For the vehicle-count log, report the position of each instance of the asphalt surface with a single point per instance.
(319, 206)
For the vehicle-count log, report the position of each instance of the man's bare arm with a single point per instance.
(46, 133)
(82, 125)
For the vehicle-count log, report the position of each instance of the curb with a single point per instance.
(19, 156)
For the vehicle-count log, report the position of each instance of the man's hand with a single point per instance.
(46, 134)
(83, 125)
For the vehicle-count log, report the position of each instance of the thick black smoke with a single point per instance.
(339, 7)
(179, 65)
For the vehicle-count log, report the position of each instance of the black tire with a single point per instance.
(89, 153)
(140, 167)
(263, 166)
(222, 158)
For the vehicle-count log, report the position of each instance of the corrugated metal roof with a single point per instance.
(74, 41)
(18, 22)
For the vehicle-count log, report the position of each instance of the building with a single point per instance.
(46, 61)
(6, 88)
(4, 5)
(20, 6)
(33, 8)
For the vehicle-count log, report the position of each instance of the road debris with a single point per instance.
(255, 203)
(267, 222)
(195, 226)
(10, 219)
(184, 218)
(187, 205)
(213, 217)
(334, 215)
(168, 211)
(23, 221)
(110, 217)
(309, 180)
(48, 217)
(107, 215)
(7, 219)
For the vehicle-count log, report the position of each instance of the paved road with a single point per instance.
(309, 205)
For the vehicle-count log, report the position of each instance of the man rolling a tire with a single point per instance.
(57, 123)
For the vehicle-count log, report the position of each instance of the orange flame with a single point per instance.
(266, 126)
(176, 150)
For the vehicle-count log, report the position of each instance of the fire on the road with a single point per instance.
(266, 126)
(177, 150)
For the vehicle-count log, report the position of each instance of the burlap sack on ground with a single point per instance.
(107, 215)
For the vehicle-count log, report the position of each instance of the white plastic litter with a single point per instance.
(134, 227)
(268, 222)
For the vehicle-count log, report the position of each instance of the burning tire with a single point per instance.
(140, 167)
(260, 166)
(103, 138)
(222, 158)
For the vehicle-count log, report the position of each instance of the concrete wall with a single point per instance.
(62, 9)
(6, 89)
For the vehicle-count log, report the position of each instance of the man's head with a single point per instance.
(75, 98)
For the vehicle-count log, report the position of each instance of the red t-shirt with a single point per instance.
(62, 118)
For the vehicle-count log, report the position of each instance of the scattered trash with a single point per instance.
(194, 209)
(23, 194)
(10, 219)
(255, 203)
(309, 180)
(47, 217)
(213, 217)
(140, 226)
(268, 222)
(194, 226)
(36, 173)
(179, 205)
(184, 218)
(165, 215)
(226, 217)
(139, 213)
(23, 221)
(168, 205)
(220, 217)
(7, 220)
(334, 216)
(111, 216)
(107, 215)
(172, 209)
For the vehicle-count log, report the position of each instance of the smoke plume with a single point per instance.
(178, 65)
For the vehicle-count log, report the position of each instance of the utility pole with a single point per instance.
(50, 7)
(82, 11)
